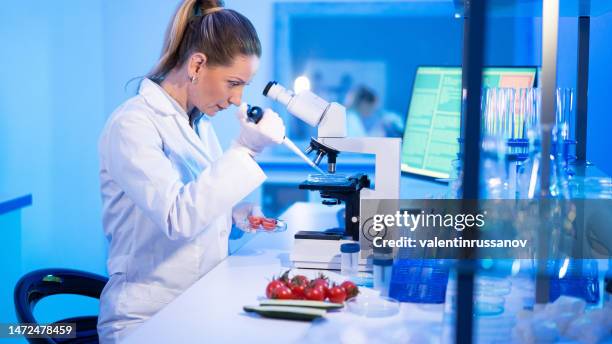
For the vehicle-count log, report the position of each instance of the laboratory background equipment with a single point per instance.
(511, 144)
(433, 120)
(511, 158)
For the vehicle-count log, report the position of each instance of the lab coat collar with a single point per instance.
(160, 100)
(165, 105)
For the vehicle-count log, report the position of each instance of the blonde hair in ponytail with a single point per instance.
(205, 26)
(175, 32)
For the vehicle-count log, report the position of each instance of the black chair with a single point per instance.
(41, 283)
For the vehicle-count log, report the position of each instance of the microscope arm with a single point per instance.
(387, 152)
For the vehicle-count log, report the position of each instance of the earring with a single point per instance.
(194, 79)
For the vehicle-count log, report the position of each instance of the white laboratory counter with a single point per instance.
(211, 310)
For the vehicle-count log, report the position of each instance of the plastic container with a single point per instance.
(419, 280)
(382, 270)
(349, 264)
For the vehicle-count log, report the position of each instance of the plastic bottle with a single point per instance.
(349, 264)
(382, 270)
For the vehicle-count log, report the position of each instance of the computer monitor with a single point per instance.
(434, 115)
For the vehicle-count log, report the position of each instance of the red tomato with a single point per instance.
(320, 283)
(350, 288)
(272, 286)
(298, 291)
(298, 284)
(300, 279)
(322, 289)
(315, 294)
(254, 220)
(282, 293)
(336, 294)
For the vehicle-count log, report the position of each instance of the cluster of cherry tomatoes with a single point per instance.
(267, 223)
(299, 287)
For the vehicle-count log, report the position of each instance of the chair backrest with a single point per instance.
(38, 284)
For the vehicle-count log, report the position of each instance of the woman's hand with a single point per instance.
(240, 215)
(255, 137)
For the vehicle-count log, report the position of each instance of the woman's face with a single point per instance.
(219, 86)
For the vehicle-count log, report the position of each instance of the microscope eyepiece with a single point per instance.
(268, 86)
(305, 105)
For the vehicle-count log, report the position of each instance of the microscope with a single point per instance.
(321, 249)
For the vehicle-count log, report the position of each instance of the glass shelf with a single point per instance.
(533, 8)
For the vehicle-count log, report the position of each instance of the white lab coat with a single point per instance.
(167, 193)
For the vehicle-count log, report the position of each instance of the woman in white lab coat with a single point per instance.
(169, 192)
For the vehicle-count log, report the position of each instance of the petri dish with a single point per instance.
(281, 226)
(373, 306)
